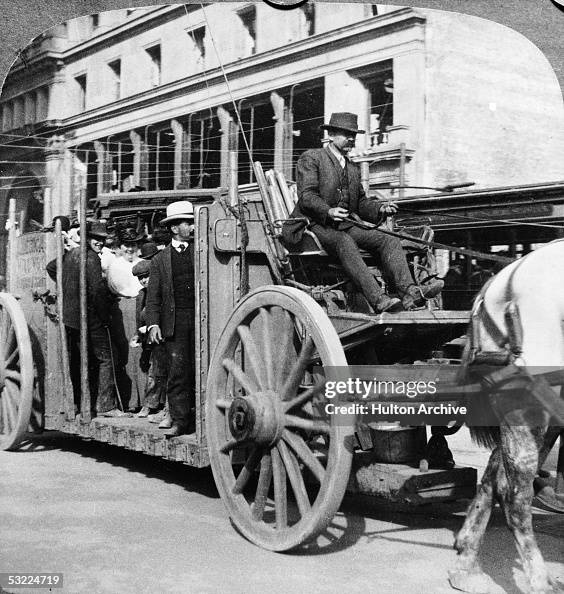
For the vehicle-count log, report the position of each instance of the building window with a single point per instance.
(115, 74)
(81, 91)
(381, 108)
(154, 54)
(94, 21)
(307, 14)
(374, 9)
(248, 17)
(198, 37)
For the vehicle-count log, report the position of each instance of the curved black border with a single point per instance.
(285, 6)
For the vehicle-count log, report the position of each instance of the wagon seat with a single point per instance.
(310, 263)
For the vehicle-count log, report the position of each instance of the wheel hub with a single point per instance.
(258, 417)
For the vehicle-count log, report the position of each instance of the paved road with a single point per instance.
(120, 522)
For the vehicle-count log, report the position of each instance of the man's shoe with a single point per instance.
(416, 295)
(143, 413)
(176, 430)
(387, 304)
(166, 423)
(158, 416)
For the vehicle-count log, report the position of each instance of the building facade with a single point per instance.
(155, 98)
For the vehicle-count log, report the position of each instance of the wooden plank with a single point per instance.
(406, 484)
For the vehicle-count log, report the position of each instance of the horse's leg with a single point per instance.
(467, 574)
(519, 447)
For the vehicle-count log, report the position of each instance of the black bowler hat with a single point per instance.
(343, 120)
(96, 230)
(148, 250)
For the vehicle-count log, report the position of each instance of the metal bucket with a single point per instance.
(396, 445)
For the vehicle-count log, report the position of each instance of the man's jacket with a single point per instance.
(160, 308)
(98, 298)
(319, 181)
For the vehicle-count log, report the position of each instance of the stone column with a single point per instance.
(280, 130)
(181, 155)
(409, 110)
(229, 132)
(104, 174)
(58, 172)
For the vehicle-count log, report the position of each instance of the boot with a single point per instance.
(416, 295)
(386, 303)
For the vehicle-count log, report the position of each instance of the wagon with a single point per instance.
(269, 323)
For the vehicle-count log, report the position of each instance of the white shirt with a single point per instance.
(177, 243)
(340, 156)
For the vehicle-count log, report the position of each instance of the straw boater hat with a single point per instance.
(178, 211)
(343, 120)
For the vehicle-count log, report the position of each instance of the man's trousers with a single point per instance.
(180, 360)
(345, 244)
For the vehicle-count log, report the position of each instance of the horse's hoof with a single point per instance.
(547, 498)
(475, 582)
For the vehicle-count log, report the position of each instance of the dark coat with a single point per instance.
(98, 297)
(319, 182)
(160, 308)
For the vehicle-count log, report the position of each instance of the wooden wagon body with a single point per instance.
(247, 439)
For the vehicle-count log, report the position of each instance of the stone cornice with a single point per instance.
(342, 37)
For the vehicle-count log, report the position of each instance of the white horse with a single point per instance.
(534, 286)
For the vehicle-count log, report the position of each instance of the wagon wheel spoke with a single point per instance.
(284, 350)
(263, 486)
(296, 374)
(313, 425)
(9, 405)
(267, 347)
(240, 376)
(280, 496)
(7, 334)
(304, 397)
(13, 375)
(14, 356)
(247, 470)
(230, 445)
(252, 356)
(296, 479)
(305, 454)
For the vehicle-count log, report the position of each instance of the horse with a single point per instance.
(518, 318)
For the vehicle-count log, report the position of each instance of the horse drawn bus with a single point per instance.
(268, 321)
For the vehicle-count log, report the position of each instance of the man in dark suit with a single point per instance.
(169, 312)
(98, 303)
(330, 193)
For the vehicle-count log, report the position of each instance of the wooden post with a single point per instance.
(68, 398)
(84, 384)
(11, 243)
(233, 180)
(559, 487)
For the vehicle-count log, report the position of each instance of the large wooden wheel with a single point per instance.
(281, 464)
(16, 373)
